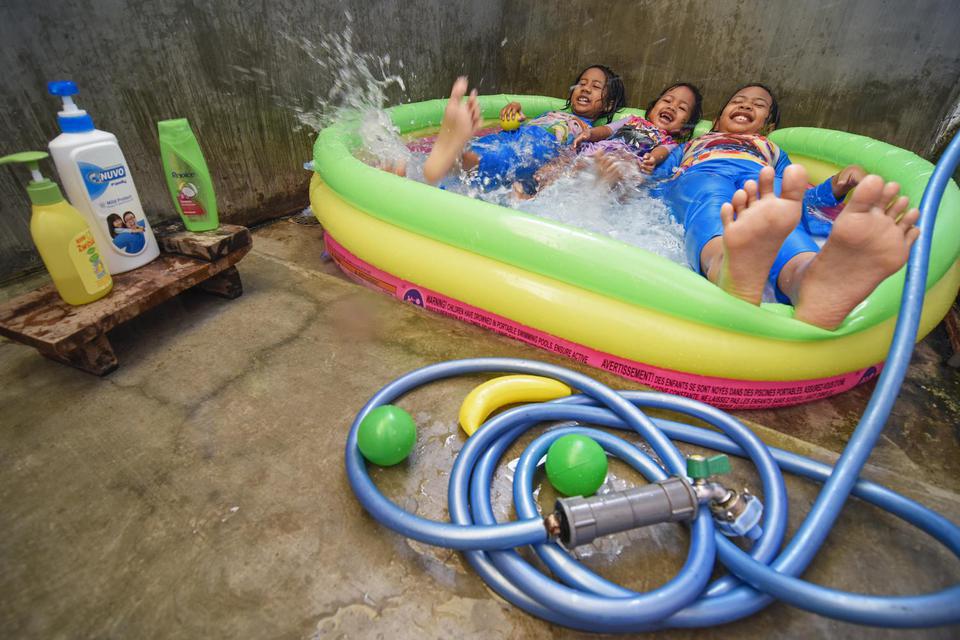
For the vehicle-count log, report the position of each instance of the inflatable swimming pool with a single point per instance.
(607, 304)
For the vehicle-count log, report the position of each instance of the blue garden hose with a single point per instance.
(579, 598)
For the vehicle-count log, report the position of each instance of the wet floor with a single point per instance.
(199, 490)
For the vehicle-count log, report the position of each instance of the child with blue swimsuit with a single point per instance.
(740, 201)
(503, 157)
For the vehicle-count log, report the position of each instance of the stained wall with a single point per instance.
(243, 71)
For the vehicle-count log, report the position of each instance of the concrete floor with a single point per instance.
(198, 491)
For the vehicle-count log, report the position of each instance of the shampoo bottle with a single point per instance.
(97, 180)
(63, 238)
(187, 176)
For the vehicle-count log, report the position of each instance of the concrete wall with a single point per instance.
(235, 69)
(883, 68)
(887, 69)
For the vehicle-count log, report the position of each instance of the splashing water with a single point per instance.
(627, 213)
(579, 198)
(361, 89)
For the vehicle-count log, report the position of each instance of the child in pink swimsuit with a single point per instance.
(643, 141)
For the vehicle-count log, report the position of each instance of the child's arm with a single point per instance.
(829, 192)
(655, 157)
(670, 164)
(593, 134)
(843, 183)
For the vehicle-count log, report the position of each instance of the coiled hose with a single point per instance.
(579, 598)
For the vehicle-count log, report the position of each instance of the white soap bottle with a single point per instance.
(98, 183)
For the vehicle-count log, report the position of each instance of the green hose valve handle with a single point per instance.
(700, 468)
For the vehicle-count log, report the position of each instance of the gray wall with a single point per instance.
(885, 69)
(139, 61)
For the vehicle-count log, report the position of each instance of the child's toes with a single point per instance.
(897, 207)
(867, 194)
(909, 219)
(741, 198)
(750, 189)
(889, 193)
(765, 181)
(911, 236)
(727, 213)
(794, 184)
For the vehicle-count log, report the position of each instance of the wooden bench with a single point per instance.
(77, 336)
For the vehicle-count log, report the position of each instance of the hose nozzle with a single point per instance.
(583, 520)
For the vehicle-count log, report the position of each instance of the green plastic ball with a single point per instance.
(576, 465)
(386, 436)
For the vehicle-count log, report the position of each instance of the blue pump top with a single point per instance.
(72, 119)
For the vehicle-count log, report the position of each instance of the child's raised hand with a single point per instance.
(648, 163)
(609, 168)
(848, 178)
(473, 105)
(512, 111)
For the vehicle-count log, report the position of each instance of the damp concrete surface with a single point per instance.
(199, 490)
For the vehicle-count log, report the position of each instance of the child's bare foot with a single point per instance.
(460, 121)
(870, 240)
(755, 224)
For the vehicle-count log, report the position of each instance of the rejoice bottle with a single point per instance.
(97, 180)
(187, 175)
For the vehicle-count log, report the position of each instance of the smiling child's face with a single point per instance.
(672, 111)
(130, 221)
(747, 112)
(587, 96)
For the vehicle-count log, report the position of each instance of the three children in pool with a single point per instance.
(736, 193)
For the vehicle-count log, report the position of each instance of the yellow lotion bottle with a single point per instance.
(63, 238)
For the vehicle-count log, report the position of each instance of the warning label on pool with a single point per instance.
(719, 392)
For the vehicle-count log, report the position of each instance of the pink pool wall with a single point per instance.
(720, 392)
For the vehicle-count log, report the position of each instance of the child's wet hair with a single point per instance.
(614, 93)
(696, 109)
(773, 118)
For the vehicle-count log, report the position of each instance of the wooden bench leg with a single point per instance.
(225, 284)
(96, 357)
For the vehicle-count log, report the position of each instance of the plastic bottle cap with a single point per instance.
(76, 123)
(63, 88)
(41, 190)
(71, 119)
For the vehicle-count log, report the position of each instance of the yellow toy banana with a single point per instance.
(499, 392)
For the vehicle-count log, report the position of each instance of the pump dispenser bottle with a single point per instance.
(97, 180)
(63, 238)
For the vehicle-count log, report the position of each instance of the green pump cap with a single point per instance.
(41, 190)
(699, 467)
